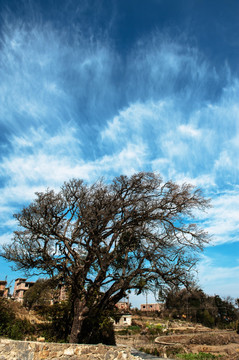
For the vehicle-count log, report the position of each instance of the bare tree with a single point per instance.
(105, 239)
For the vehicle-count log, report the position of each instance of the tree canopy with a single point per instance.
(102, 240)
(41, 293)
(194, 305)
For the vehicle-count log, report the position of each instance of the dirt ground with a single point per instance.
(187, 338)
(224, 343)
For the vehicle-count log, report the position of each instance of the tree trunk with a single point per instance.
(79, 311)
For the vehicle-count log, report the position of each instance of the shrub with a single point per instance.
(152, 351)
(10, 325)
(6, 317)
(98, 329)
(19, 329)
(199, 356)
(129, 330)
(154, 329)
(134, 329)
(57, 329)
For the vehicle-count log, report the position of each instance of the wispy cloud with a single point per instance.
(189, 131)
(72, 106)
(218, 280)
(223, 218)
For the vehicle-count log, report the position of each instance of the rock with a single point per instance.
(41, 339)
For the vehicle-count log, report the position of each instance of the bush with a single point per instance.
(19, 329)
(199, 356)
(154, 329)
(98, 329)
(207, 319)
(123, 332)
(150, 351)
(59, 322)
(130, 330)
(10, 325)
(6, 316)
(134, 329)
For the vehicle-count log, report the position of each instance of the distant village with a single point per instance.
(21, 285)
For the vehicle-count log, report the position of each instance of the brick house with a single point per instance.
(122, 306)
(20, 287)
(4, 291)
(151, 307)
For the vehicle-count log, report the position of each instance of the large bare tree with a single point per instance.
(105, 239)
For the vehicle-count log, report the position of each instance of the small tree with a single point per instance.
(104, 239)
(40, 294)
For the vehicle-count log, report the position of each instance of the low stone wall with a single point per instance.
(32, 350)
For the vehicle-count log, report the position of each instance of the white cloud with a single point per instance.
(63, 116)
(132, 120)
(5, 238)
(218, 280)
(224, 161)
(189, 130)
(128, 161)
(205, 181)
(39, 160)
(222, 219)
(174, 147)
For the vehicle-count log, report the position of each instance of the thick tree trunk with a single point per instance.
(80, 311)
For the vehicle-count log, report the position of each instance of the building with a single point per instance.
(122, 306)
(124, 320)
(20, 287)
(151, 307)
(4, 291)
(63, 294)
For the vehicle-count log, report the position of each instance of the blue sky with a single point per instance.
(102, 88)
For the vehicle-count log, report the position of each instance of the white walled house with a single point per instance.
(124, 320)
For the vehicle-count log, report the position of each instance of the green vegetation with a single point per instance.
(134, 328)
(154, 329)
(98, 328)
(58, 322)
(130, 330)
(10, 325)
(158, 352)
(40, 294)
(194, 305)
(199, 356)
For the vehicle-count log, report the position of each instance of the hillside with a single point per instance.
(151, 334)
(178, 336)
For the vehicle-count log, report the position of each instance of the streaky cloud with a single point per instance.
(72, 106)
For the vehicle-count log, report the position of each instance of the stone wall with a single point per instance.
(32, 350)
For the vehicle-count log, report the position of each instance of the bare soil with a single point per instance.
(187, 338)
(224, 343)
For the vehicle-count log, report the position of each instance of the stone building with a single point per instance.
(151, 307)
(124, 320)
(4, 291)
(122, 306)
(20, 287)
(63, 294)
